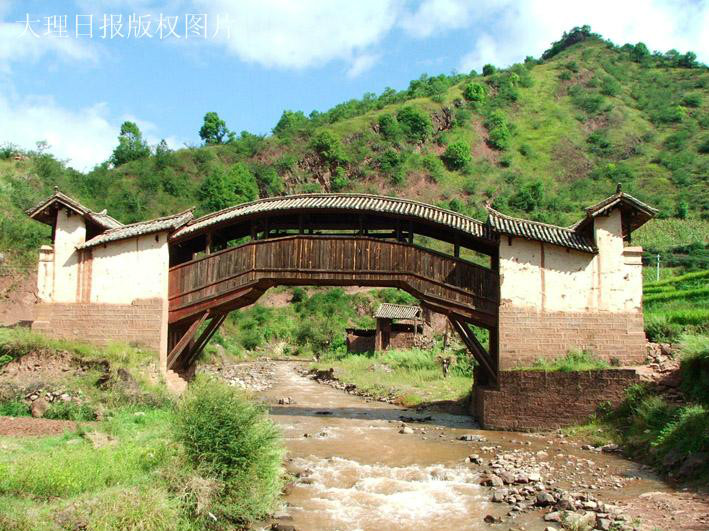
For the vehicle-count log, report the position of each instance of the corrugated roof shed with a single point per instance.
(397, 311)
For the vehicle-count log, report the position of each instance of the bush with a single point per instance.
(703, 145)
(499, 130)
(489, 69)
(457, 155)
(70, 411)
(695, 367)
(692, 100)
(230, 439)
(14, 408)
(434, 166)
(328, 146)
(389, 127)
(415, 123)
(474, 92)
(659, 329)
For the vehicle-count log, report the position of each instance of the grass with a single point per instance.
(411, 376)
(139, 469)
(575, 360)
(658, 432)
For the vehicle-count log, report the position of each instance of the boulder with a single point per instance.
(499, 495)
(554, 516)
(39, 408)
(544, 499)
(406, 430)
(491, 480)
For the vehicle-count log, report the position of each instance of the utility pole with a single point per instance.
(658, 268)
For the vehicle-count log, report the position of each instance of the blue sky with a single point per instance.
(74, 91)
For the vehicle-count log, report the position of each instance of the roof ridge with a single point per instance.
(551, 225)
(148, 221)
(333, 195)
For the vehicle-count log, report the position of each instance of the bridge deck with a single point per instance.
(237, 276)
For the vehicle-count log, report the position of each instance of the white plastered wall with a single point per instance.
(127, 270)
(70, 231)
(556, 279)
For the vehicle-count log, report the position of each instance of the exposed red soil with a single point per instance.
(482, 150)
(671, 511)
(17, 298)
(30, 427)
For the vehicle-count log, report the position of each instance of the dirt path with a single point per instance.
(370, 466)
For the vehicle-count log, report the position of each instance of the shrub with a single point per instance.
(14, 408)
(70, 411)
(474, 92)
(415, 123)
(340, 181)
(434, 166)
(692, 100)
(389, 127)
(228, 438)
(695, 367)
(328, 146)
(489, 69)
(610, 86)
(457, 155)
(703, 145)
(659, 329)
(222, 189)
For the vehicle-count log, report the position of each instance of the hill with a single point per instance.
(542, 139)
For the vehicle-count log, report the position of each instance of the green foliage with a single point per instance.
(704, 145)
(291, 123)
(14, 408)
(575, 360)
(489, 70)
(214, 129)
(222, 189)
(232, 440)
(70, 411)
(498, 130)
(588, 102)
(457, 155)
(695, 367)
(529, 197)
(131, 145)
(328, 146)
(434, 166)
(474, 92)
(389, 127)
(415, 123)
(567, 40)
(610, 86)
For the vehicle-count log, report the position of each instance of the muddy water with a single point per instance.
(357, 472)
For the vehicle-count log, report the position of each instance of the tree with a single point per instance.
(221, 189)
(474, 92)
(131, 145)
(457, 155)
(488, 70)
(415, 123)
(214, 129)
(291, 122)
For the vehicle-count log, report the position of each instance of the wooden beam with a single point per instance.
(204, 338)
(475, 347)
(184, 340)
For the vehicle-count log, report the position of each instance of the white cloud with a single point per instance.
(84, 137)
(302, 34)
(361, 64)
(434, 16)
(16, 47)
(513, 30)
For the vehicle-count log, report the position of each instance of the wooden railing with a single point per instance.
(439, 280)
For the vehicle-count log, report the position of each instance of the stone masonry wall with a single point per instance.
(527, 335)
(538, 400)
(138, 323)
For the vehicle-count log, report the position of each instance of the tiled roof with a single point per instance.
(139, 229)
(534, 230)
(100, 218)
(355, 203)
(619, 199)
(396, 311)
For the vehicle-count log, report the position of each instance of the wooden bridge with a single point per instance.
(316, 246)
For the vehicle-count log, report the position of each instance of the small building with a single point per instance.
(388, 333)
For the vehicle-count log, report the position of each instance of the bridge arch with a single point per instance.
(228, 259)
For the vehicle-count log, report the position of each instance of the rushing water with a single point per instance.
(356, 471)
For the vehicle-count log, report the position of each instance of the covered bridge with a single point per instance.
(169, 283)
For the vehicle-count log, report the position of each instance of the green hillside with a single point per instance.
(542, 140)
